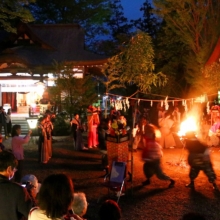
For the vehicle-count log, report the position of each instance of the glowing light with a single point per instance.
(32, 122)
(188, 125)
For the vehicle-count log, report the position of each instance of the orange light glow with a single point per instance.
(188, 125)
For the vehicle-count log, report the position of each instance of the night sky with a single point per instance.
(132, 8)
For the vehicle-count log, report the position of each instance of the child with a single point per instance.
(152, 154)
(17, 149)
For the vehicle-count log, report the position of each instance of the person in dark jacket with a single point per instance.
(15, 201)
(3, 122)
(199, 159)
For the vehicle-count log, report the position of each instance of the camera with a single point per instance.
(28, 185)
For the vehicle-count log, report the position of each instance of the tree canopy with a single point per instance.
(12, 12)
(73, 94)
(134, 64)
(196, 24)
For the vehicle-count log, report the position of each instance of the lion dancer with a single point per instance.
(93, 122)
(152, 154)
(199, 160)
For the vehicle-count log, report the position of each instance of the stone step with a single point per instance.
(19, 121)
(24, 125)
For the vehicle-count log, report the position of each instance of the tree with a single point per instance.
(12, 12)
(118, 30)
(73, 94)
(149, 23)
(110, 80)
(212, 80)
(135, 64)
(90, 14)
(196, 24)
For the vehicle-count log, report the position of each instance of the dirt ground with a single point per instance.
(155, 201)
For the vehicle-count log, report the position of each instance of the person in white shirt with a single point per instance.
(55, 198)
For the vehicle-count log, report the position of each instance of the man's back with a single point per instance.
(15, 201)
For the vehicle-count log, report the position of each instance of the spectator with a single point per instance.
(166, 123)
(48, 126)
(3, 122)
(8, 122)
(79, 207)
(93, 122)
(77, 130)
(14, 199)
(43, 155)
(31, 183)
(18, 150)
(109, 210)
(80, 204)
(138, 133)
(54, 198)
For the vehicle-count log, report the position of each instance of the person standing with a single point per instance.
(3, 122)
(166, 123)
(48, 126)
(18, 150)
(138, 133)
(15, 201)
(8, 122)
(152, 154)
(77, 130)
(199, 159)
(93, 122)
(42, 143)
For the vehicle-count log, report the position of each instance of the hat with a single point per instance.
(31, 179)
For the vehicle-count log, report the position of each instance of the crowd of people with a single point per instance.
(55, 198)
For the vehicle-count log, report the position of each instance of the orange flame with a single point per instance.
(188, 125)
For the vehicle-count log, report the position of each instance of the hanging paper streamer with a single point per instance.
(173, 102)
(151, 103)
(138, 102)
(127, 103)
(124, 104)
(166, 104)
(161, 104)
(120, 105)
(185, 104)
(208, 107)
(112, 103)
